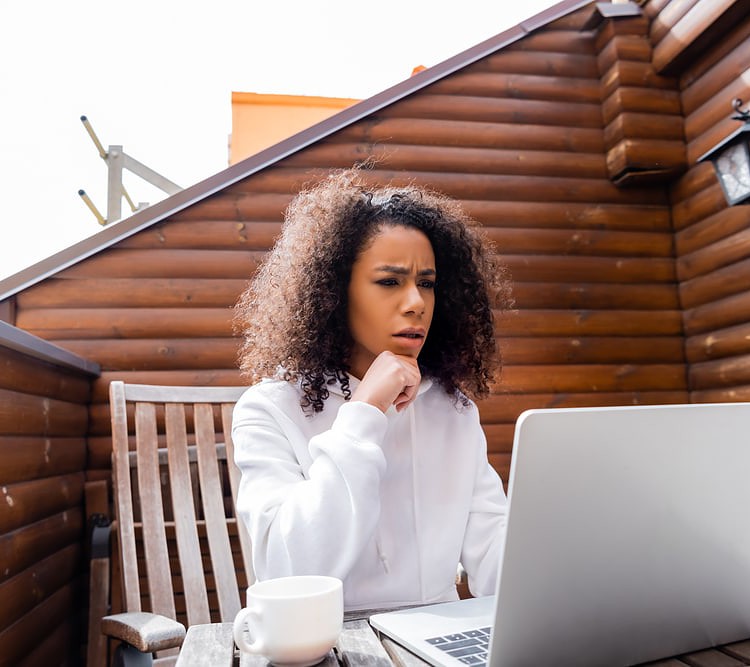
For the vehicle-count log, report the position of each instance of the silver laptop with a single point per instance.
(628, 540)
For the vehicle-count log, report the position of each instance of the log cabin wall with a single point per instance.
(519, 137)
(712, 240)
(44, 394)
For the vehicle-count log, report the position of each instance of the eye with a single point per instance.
(387, 282)
(427, 284)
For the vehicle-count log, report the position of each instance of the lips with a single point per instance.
(414, 334)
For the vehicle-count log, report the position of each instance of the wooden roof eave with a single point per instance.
(269, 156)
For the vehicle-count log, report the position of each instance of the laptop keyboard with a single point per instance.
(470, 646)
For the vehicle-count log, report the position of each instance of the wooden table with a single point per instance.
(213, 646)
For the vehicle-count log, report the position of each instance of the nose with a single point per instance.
(413, 300)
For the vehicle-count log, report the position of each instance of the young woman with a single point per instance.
(366, 331)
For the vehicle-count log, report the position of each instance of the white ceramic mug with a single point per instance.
(291, 620)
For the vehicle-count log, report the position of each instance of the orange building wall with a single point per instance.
(261, 120)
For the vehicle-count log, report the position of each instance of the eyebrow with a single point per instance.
(402, 270)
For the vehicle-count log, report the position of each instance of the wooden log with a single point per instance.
(506, 407)
(573, 21)
(721, 395)
(702, 89)
(722, 225)
(634, 74)
(715, 286)
(457, 159)
(538, 295)
(592, 350)
(530, 268)
(609, 243)
(26, 414)
(697, 177)
(431, 132)
(703, 204)
(717, 110)
(96, 498)
(21, 638)
(671, 50)
(101, 473)
(640, 100)
(132, 293)
(651, 9)
(589, 323)
(499, 438)
(721, 50)
(630, 25)
(555, 41)
(501, 463)
(572, 378)
(628, 215)
(187, 377)
(621, 48)
(713, 135)
(716, 344)
(100, 448)
(21, 593)
(645, 158)
(532, 214)
(629, 125)
(27, 458)
(25, 546)
(501, 110)
(206, 234)
(224, 206)
(24, 503)
(78, 323)
(60, 646)
(167, 263)
(160, 354)
(720, 373)
(721, 253)
(25, 374)
(519, 86)
(486, 187)
(726, 312)
(516, 62)
(670, 14)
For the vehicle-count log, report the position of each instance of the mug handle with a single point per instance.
(247, 616)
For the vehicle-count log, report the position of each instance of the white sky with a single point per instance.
(156, 77)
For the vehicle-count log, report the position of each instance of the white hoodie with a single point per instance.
(389, 503)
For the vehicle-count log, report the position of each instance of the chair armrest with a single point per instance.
(144, 631)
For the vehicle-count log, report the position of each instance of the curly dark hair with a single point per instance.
(293, 314)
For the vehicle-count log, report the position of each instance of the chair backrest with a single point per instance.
(183, 553)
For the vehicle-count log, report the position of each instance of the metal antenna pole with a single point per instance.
(117, 160)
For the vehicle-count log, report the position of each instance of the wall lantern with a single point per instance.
(731, 160)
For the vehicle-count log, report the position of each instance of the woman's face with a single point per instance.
(391, 295)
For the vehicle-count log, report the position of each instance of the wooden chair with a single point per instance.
(184, 557)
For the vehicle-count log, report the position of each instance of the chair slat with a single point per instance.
(234, 483)
(188, 546)
(152, 512)
(123, 497)
(215, 514)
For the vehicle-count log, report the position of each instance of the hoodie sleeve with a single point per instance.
(485, 530)
(313, 521)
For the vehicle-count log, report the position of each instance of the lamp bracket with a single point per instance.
(741, 114)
